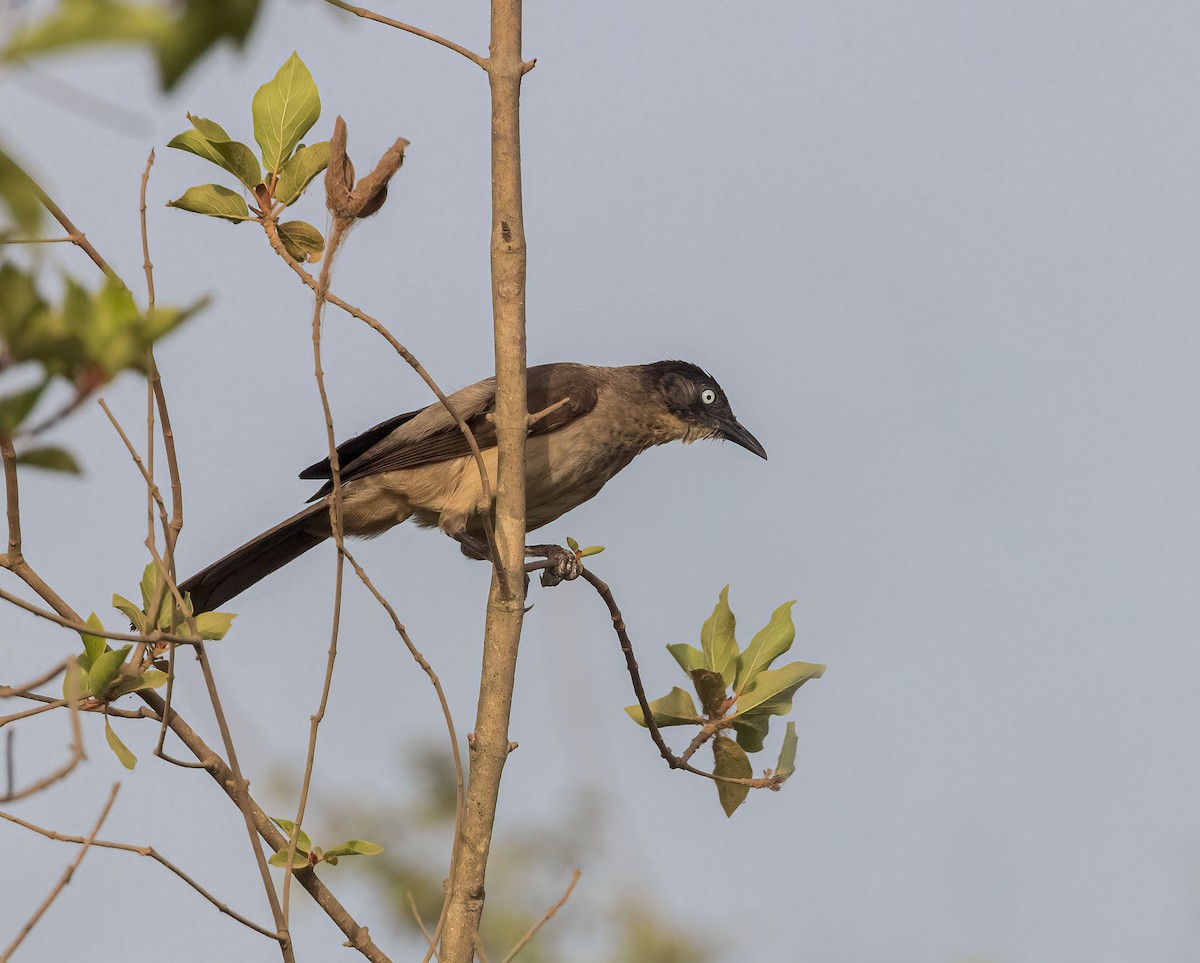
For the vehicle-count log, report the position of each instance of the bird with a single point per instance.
(587, 423)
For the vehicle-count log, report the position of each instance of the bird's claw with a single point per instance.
(565, 565)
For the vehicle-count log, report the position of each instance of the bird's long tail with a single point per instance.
(222, 580)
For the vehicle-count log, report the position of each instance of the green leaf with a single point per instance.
(94, 646)
(214, 201)
(787, 755)
(75, 680)
(717, 641)
(284, 109)
(214, 625)
(15, 408)
(751, 731)
(280, 858)
(767, 645)
(149, 586)
(729, 760)
(150, 679)
(676, 708)
(352, 847)
(710, 687)
(50, 457)
(104, 669)
(128, 759)
(303, 843)
(16, 191)
(303, 241)
(77, 22)
(209, 129)
(229, 155)
(688, 656)
(572, 544)
(130, 611)
(201, 25)
(773, 689)
(591, 550)
(299, 171)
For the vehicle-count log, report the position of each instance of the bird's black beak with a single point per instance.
(732, 430)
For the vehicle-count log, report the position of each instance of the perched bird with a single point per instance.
(594, 421)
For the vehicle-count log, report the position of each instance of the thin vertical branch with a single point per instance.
(340, 226)
(506, 600)
(64, 879)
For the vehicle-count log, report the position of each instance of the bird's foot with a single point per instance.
(564, 564)
(473, 547)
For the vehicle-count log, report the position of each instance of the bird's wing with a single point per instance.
(431, 435)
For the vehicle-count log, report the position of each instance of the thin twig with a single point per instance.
(412, 905)
(477, 60)
(153, 854)
(151, 638)
(77, 751)
(532, 931)
(77, 236)
(674, 761)
(340, 226)
(460, 800)
(238, 791)
(64, 879)
(379, 328)
(323, 294)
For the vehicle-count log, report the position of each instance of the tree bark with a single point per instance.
(506, 600)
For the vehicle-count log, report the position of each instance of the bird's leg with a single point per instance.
(473, 546)
(564, 564)
(564, 567)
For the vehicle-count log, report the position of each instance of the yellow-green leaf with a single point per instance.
(768, 644)
(299, 171)
(688, 656)
(730, 760)
(214, 201)
(787, 754)
(120, 750)
(773, 689)
(93, 645)
(676, 708)
(284, 109)
(303, 241)
(104, 669)
(229, 155)
(49, 457)
(717, 640)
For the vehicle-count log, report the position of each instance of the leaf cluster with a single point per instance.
(309, 855)
(283, 110)
(738, 689)
(177, 34)
(168, 617)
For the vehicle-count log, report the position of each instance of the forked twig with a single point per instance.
(64, 879)
(153, 854)
(532, 931)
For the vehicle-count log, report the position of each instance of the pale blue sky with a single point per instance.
(943, 258)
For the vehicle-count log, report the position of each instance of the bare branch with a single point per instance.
(77, 752)
(532, 931)
(238, 791)
(340, 226)
(64, 879)
(477, 60)
(77, 236)
(409, 357)
(153, 854)
(674, 761)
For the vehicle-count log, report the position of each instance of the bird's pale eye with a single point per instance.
(708, 396)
